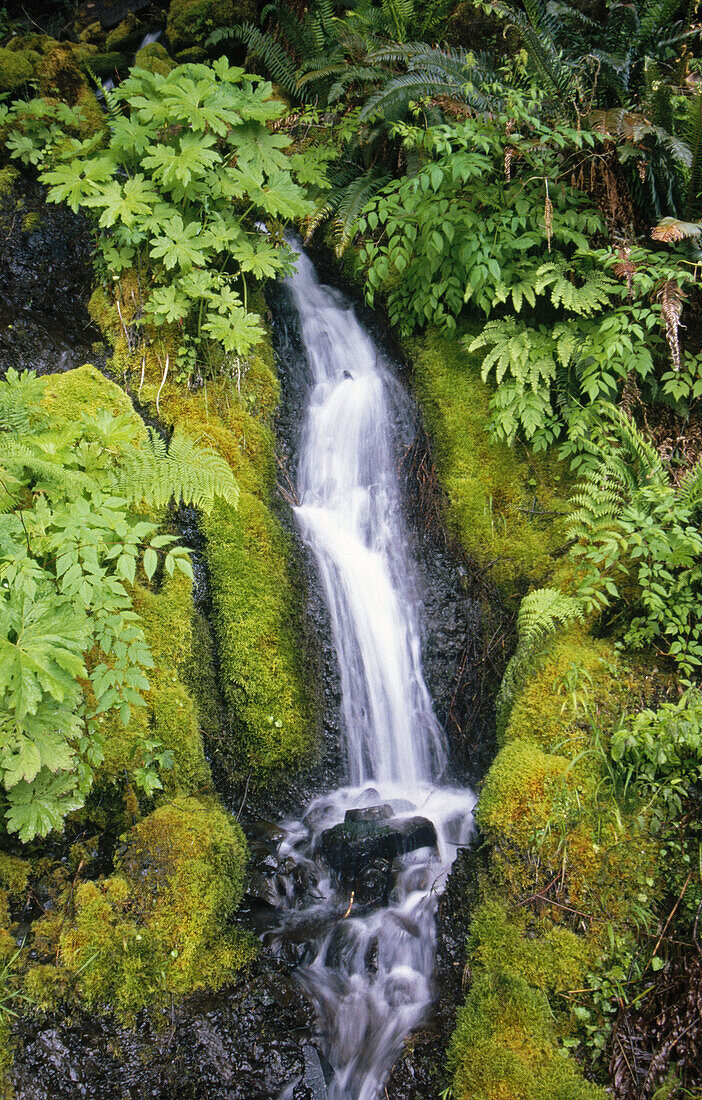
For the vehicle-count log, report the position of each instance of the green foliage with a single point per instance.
(660, 753)
(638, 540)
(473, 237)
(36, 128)
(191, 167)
(71, 540)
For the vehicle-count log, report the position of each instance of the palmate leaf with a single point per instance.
(180, 245)
(77, 181)
(44, 741)
(41, 646)
(238, 331)
(175, 166)
(125, 202)
(36, 808)
(260, 257)
(257, 150)
(199, 104)
(166, 304)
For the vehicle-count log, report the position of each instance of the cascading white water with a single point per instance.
(371, 965)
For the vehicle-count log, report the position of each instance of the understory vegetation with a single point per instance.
(517, 184)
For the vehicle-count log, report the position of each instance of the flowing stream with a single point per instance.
(368, 860)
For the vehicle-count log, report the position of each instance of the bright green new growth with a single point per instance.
(73, 534)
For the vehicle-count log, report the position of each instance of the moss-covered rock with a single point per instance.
(570, 674)
(161, 923)
(513, 942)
(256, 614)
(504, 1047)
(505, 503)
(155, 58)
(107, 65)
(190, 21)
(126, 35)
(17, 68)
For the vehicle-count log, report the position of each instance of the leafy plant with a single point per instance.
(637, 540)
(191, 169)
(73, 534)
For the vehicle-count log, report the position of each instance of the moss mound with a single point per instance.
(190, 21)
(154, 57)
(17, 69)
(159, 925)
(504, 1047)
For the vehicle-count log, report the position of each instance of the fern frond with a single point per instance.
(272, 55)
(545, 610)
(184, 470)
(20, 395)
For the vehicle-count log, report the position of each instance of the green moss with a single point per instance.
(172, 713)
(194, 54)
(14, 875)
(190, 21)
(160, 924)
(515, 943)
(68, 396)
(504, 1047)
(571, 673)
(518, 796)
(125, 35)
(259, 669)
(105, 65)
(154, 57)
(495, 492)
(17, 68)
(8, 176)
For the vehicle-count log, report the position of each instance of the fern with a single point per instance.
(543, 611)
(541, 614)
(182, 469)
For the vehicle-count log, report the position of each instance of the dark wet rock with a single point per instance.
(371, 813)
(350, 847)
(46, 278)
(108, 13)
(248, 1042)
(313, 1076)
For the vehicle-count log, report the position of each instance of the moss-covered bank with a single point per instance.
(505, 503)
(256, 613)
(563, 872)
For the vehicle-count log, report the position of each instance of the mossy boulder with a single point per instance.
(161, 923)
(513, 942)
(504, 1047)
(155, 58)
(107, 65)
(126, 35)
(521, 790)
(17, 68)
(191, 21)
(66, 397)
(571, 673)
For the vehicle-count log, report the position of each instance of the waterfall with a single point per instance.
(370, 954)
